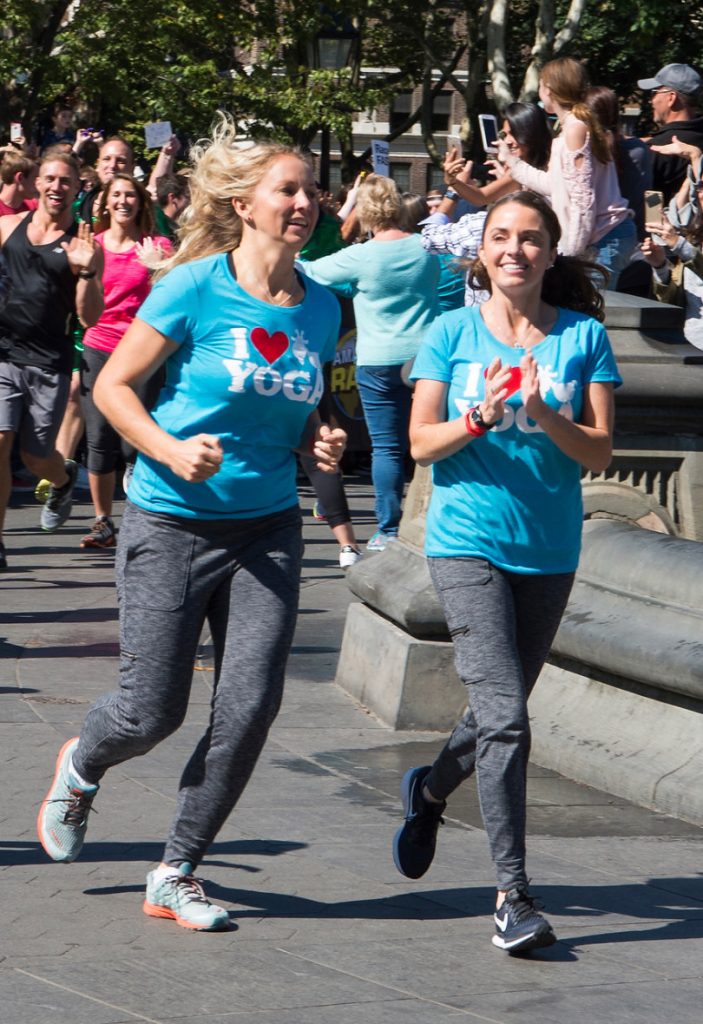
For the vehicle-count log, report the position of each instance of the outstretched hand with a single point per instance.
(149, 253)
(664, 230)
(453, 165)
(654, 254)
(678, 148)
(81, 250)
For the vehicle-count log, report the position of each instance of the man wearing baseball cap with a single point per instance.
(674, 93)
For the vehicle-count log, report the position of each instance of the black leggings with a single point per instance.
(329, 491)
(105, 449)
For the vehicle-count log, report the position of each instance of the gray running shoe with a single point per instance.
(102, 534)
(58, 505)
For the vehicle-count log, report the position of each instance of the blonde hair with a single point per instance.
(567, 81)
(379, 204)
(222, 170)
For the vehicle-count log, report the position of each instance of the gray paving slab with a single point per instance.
(324, 929)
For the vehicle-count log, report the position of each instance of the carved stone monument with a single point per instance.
(620, 703)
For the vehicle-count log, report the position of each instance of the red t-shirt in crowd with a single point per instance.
(26, 204)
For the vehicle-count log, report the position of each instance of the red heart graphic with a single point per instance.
(271, 346)
(514, 381)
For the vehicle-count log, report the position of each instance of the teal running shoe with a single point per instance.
(181, 898)
(63, 816)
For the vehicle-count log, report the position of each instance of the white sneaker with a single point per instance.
(349, 555)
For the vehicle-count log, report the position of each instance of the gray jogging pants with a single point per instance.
(502, 625)
(173, 574)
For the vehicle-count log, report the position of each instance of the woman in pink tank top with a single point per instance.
(129, 248)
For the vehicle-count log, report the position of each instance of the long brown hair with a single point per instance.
(145, 217)
(603, 102)
(567, 81)
(569, 282)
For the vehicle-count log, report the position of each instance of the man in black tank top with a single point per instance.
(55, 271)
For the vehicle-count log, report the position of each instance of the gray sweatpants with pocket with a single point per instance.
(173, 574)
(502, 625)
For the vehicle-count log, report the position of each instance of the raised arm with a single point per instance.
(457, 175)
(460, 239)
(86, 261)
(164, 165)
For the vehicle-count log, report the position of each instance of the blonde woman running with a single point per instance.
(212, 528)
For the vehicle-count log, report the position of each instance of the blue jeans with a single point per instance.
(386, 402)
(614, 250)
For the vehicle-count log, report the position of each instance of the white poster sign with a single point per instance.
(157, 134)
(379, 157)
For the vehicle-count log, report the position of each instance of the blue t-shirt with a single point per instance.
(246, 371)
(511, 496)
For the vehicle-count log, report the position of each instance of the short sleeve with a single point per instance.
(171, 307)
(600, 364)
(432, 360)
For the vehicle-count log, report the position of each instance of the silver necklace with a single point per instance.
(285, 301)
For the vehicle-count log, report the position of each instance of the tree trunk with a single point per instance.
(495, 51)
(547, 45)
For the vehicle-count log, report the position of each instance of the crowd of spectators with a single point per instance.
(192, 321)
(630, 205)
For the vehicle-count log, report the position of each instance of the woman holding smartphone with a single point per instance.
(512, 398)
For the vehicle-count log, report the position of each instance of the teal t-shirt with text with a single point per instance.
(511, 496)
(250, 373)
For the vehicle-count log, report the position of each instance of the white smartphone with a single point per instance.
(654, 206)
(488, 126)
(15, 131)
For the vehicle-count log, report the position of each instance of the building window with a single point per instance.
(400, 173)
(400, 109)
(435, 177)
(441, 111)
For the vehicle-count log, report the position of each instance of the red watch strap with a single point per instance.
(473, 428)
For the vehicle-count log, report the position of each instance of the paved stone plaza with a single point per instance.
(324, 929)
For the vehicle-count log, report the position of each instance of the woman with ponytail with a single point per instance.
(581, 180)
(512, 398)
(212, 528)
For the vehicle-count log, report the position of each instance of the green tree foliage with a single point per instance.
(250, 58)
(623, 42)
(124, 64)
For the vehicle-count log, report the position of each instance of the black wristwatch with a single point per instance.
(451, 193)
(478, 420)
(86, 275)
